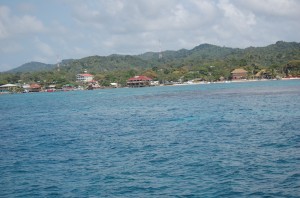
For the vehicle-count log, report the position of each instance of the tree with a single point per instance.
(292, 68)
(150, 73)
(99, 77)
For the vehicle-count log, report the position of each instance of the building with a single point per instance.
(239, 74)
(51, 88)
(35, 88)
(154, 83)
(26, 88)
(93, 85)
(7, 88)
(139, 81)
(68, 87)
(114, 85)
(84, 77)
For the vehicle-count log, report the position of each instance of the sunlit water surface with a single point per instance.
(214, 140)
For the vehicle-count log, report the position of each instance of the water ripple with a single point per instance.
(217, 140)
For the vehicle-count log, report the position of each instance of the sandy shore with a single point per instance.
(231, 81)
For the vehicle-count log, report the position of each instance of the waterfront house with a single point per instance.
(139, 81)
(68, 87)
(51, 88)
(84, 77)
(26, 88)
(7, 88)
(93, 85)
(114, 85)
(239, 74)
(34, 87)
(154, 83)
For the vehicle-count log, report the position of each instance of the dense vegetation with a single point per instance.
(204, 62)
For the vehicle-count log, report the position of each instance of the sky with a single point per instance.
(52, 30)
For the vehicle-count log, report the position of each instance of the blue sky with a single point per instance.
(48, 31)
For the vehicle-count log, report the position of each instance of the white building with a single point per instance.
(84, 77)
(7, 88)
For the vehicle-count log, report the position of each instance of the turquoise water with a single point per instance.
(214, 140)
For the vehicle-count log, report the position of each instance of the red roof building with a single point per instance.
(35, 88)
(139, 81)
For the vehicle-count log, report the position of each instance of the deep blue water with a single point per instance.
(214, 140)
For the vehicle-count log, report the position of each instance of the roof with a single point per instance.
(86, 75)
(9, 85)
(35, 86)
(139, 78)
(236, 71)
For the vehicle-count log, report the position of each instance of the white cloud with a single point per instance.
(274, 8)
(4, 19)
(127, 24)
(77, 28)
(10, 47)
(12, 25)
(236, 18)
(205, 7)
(44, 48)
(138, 16)
(27, 24)
(26, 7)
(5, 67)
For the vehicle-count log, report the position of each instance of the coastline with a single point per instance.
(174, 84)
(230, 81)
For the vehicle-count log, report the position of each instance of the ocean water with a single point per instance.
(212, 140)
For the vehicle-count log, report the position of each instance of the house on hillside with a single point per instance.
(239, 74)
(139, 81)
(84, 77)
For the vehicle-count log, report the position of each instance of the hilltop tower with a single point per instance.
(160, 51)
(58, 66)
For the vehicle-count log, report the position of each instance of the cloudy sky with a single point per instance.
(48, 31)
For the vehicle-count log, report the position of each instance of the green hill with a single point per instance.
(200, 56)
(32, 67)
(278, 53)
(96, 64)
(206, 62)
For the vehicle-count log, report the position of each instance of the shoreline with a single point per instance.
(175, 84)
(230, 81)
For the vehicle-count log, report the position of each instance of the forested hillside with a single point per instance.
(275, 54)
(32, 67)
(207, 62)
